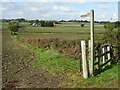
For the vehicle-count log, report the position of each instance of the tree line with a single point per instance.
(44, 23)
(55, 21)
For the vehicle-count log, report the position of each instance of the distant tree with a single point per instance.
(20, 20)
(82, 24)
(42, 23)
(50, 24)
(36, 21)
(62, 21)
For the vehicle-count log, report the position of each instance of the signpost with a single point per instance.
(91, 65)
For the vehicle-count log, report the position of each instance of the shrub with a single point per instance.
(117, 24)
(47, 23)
(50, 24)
(109, 26)
(13, 27)
(112, 36)
(82, 25)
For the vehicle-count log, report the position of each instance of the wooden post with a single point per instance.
(108, 49)
(92, 41)
(103, 49)
(99, 67)
(89, 55)
(84, 61)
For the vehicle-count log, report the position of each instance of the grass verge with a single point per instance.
(53, 62)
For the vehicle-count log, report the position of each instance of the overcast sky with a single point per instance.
(59, 10)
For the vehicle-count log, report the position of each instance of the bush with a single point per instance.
(47, 23)
(112, 36)
(82, 25)
(50, 24)
(117, 24)
(109, 26)
(13, 27)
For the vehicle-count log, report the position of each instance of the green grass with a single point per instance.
(64, 27)
(67, 31)
(59, 28)
(56, 65)
(70, 67)
(53, 62)
(107, 79)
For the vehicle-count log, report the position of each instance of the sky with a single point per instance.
(59, 10)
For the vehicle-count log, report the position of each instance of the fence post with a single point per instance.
(103, 50)
(89, 54)
(108, 49)
(84, 61)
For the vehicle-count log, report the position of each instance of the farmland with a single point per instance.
(68, 31)
(49, 67)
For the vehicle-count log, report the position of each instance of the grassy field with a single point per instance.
(49, 68)
(69, 31)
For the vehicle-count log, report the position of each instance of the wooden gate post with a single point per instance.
(89, 55)
(84, 61)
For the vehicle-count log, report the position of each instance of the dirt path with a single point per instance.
(17, 67)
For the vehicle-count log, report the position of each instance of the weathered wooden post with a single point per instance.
(92, 41)
(89, 55)
(84, 61)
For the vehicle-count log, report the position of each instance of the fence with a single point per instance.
(102, 58)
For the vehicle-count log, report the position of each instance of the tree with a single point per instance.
(36, 21)
(42, 23)
(50, 24)
(13, 27)
(47, 23)
(20, 20)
